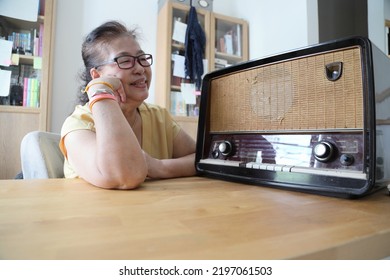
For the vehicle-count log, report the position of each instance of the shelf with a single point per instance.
(178, 46)
(229, 57)
(26, 59)
(18, 109)
(383, 122)
(175, 88)
(18, 24)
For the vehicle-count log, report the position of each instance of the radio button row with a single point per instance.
(307, 170)
(292, 169)
(270, 167)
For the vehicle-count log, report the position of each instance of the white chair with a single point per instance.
(41, 156)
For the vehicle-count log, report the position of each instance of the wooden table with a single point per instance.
(187, 218)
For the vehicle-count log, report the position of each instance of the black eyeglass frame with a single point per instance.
(135, 58)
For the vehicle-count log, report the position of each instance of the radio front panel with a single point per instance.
(331, 153)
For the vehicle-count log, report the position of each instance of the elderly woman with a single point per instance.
(113, 139)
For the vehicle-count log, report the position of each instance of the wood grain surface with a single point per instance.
(187, 218)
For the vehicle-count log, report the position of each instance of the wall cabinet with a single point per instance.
(226, 44)
(27, 105)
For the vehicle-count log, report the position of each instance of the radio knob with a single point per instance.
(225, 148)
(215, 154)
(323, 151)
(346, 159)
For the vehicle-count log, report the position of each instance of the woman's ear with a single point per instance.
(94, 73)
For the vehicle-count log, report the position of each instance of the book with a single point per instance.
(229, 42)
(178, 105)
(40, 39)
(238, 40)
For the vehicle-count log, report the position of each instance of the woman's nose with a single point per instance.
(138, 67)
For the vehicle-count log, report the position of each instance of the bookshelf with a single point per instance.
(171, 93)
(26, 107)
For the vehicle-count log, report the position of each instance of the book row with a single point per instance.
(27, 42)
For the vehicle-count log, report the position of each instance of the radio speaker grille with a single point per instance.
(290, 95)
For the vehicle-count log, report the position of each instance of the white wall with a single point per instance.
(66, 60)
(378, 12)
(376, 27)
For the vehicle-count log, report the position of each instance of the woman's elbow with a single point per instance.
(123, 179)
(128, 184)
(132, 182)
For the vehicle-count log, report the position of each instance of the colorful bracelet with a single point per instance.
(100, 97)
(97, 83)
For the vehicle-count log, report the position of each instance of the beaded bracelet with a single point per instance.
(100, 97)
(96, 83)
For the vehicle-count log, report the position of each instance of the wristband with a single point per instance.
(100, 97)
(100, 91)
(97, 83)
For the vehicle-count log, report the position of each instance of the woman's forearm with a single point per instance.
(170, 168)
(120, 161)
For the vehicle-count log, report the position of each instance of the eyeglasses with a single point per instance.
(128, 61)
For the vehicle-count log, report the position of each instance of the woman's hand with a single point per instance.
(110, 84)
(182, 164)
(170, 168)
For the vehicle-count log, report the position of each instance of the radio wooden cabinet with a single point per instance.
(226, 44)
(313, 119)
(27, 105)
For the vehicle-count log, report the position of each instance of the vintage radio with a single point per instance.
(315, 119)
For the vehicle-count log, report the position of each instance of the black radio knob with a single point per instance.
(225, 148)
(346, 159)
(215, 154)
(324, 151)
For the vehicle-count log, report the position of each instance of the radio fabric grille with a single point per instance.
(290, 95)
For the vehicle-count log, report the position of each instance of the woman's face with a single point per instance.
(136, 80)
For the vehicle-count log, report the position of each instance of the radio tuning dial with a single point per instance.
(323, 151)
(225, 148)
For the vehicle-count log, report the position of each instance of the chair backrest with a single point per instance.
(41, 156)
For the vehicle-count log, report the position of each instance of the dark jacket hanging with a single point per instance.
(195, 42)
